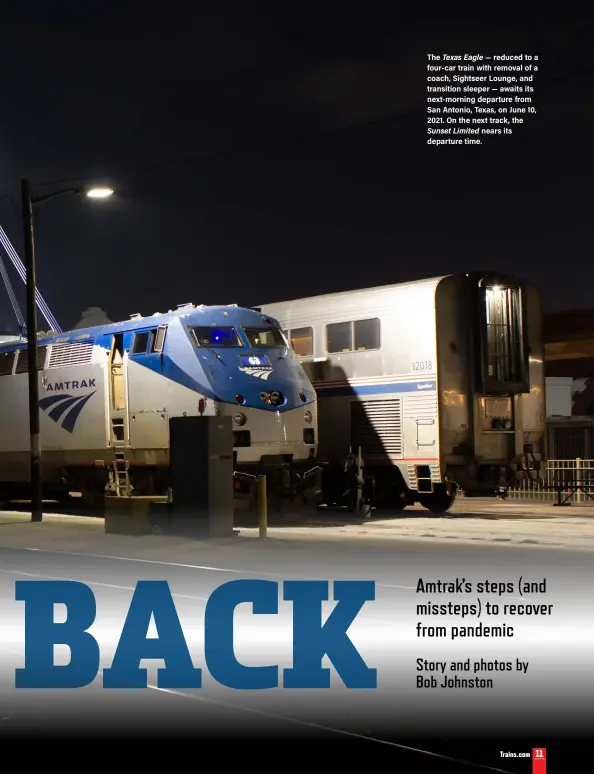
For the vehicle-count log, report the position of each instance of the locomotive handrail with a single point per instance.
(246, 476)
(311, 471)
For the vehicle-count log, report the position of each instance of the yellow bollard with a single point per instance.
(262, 507)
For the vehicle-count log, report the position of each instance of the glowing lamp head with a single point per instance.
(99, 193)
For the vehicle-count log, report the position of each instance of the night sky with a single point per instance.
(268, 151)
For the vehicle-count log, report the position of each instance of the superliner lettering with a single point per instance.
(60, 386)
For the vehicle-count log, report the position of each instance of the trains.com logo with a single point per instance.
(65, 409)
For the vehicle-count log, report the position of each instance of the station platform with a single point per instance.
(474, 521)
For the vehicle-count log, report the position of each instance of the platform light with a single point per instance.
(99, 193)
(240, 419)
(308, 417)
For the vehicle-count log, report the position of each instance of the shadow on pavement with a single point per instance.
(291, 515)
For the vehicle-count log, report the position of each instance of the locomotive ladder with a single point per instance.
(121, 475)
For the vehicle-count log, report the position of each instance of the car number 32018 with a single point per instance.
(422, 365)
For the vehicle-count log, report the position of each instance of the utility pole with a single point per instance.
(35, 443)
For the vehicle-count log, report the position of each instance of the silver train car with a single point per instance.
(106, 395)
(440, 382)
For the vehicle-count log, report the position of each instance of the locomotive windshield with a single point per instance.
(265, 338)
(214, 337)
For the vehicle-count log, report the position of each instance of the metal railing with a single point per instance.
(570, 481)
(570, 438)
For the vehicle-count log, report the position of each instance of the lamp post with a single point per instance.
(28, 203)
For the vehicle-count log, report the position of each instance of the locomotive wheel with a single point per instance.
(439, 501)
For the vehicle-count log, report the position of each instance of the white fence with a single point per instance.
(566, 474)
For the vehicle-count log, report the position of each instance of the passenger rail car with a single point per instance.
(106, 395)
(440, 382)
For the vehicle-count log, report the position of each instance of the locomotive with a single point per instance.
(107, 393)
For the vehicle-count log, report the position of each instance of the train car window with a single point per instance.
(339, 337)
(367, 334)
(265, 338)
(6, 363)
(302, 341)
(206, 336)
(140, 343)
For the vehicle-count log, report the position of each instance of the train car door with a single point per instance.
(147, 390)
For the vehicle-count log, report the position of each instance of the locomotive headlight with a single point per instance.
(308, 417)
(240, 419)
(277, 398)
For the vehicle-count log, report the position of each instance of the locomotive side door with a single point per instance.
(117, 392)
(147, 390)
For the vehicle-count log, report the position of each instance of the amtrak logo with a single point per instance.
(65, 409)
(259, 373)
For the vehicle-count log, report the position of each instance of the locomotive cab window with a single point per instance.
(367, 334)
(159, 341)
(140, 343)
(339, 337)
(265, 338)
(505, 350)
(214, 337)
(301, 340)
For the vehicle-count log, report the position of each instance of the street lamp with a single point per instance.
(28, 203)
(99, 193)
